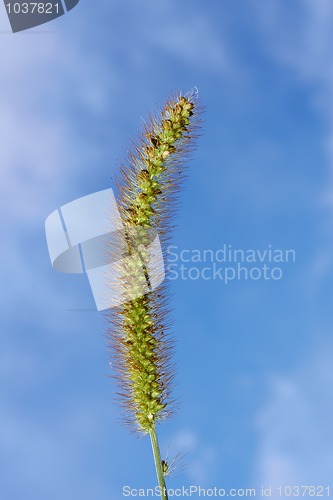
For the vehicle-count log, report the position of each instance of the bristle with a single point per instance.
(147, 196)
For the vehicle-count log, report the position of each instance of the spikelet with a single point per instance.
(147, 199)
(174, 466)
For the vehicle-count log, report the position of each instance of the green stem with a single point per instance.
(158, 463)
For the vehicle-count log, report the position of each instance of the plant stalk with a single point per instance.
(158, 463)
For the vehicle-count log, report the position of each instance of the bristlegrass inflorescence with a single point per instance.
(147, 201)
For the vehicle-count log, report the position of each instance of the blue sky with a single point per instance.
(254, 375)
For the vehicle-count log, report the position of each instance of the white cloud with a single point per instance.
(300, 37)
(295, 428)
(47, 78)
(44, 77)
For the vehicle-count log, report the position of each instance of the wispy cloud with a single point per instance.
(295, 430)
(47, 84)
(299, 37)
(45, 81)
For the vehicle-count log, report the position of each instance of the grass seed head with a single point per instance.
(147, 198)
